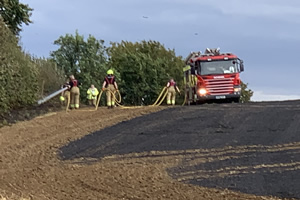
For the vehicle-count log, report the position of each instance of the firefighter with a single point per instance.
(193, 77)
(172, 88)
(111, 86)
(92, 94)
(193, 81)
(65, 95)
(74, 90)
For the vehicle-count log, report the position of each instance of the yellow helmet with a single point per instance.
(110, 71)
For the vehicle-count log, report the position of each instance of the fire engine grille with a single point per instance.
(219, 86)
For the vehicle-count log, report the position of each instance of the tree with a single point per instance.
(50, 77)
(85, 59)
(15, 14)
(144, 68)
(246, 93)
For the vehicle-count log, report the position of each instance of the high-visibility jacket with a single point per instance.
(92, 93)
(193, 80)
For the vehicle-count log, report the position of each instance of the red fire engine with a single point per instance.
(212, 76)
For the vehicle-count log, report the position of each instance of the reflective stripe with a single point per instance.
(72, 105)
(112, 103)
(76, 105)
(173, 102)
(186, 68)
(168, 101)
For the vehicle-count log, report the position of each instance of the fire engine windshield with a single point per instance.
(218, 67)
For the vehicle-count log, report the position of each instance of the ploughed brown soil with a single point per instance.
(214, 151)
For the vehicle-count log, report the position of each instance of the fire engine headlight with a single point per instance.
(202, 92)
(237, 89)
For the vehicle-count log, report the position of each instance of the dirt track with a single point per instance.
(179, 153)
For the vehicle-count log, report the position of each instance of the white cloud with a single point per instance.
(257, 9)
(251, 7)
(263, 96)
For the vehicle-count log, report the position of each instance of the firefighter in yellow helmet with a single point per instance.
(92, 94)
(111, 86)
(172, 88)
(74, 90)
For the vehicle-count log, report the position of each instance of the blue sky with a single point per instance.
(264, 33)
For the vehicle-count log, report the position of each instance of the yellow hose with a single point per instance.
(159, 100)
(117, 100)
(185, 92)
(163, 95)
(185, 96)
(162, 99)
(98, 100)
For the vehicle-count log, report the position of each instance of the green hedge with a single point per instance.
(18, 74)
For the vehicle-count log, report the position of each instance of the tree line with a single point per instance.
(142, 68)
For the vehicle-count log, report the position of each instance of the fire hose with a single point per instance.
(117, 100)
(51, 96)
(158, 101)
(47, 98)
(161, 97)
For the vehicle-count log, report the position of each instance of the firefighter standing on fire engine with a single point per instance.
(111, 86)
(172, 88)
(74, 90)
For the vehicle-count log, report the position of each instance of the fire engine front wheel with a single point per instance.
(236, 100)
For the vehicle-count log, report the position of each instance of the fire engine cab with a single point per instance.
(212, 76)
